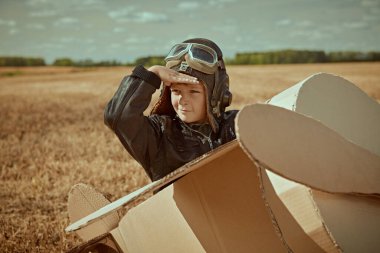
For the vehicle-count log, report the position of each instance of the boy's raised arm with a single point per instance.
(124, 115)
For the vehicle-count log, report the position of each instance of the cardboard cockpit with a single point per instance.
(302, 176)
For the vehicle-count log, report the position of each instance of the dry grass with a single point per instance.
(52, 136)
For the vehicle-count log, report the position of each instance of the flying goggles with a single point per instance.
(197, 56)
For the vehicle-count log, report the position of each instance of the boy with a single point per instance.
(189, 118)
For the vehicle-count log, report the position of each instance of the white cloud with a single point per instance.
(118, 30)
(121, 13)
(188, 5)
(283, 22)
(144, 17)
(13, 31)
(66, 21)
(138, 17)
(43, 13)
(304, 23)
(139, 40)
(7, 22)
(220, 3)
(36, 2)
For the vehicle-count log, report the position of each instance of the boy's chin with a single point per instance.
(186, 119)
(190, 121)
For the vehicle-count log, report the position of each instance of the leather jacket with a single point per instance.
(160, 143)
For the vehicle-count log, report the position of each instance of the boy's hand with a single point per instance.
(169, 76)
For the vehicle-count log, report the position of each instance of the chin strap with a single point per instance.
(215, 103)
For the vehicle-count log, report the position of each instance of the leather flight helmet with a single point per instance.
(217, 86)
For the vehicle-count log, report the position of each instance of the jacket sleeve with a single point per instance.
(139, 134)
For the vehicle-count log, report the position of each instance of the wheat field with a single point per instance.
(52, 136)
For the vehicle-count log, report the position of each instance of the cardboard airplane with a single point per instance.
(302, 176)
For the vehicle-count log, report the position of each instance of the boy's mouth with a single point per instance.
(184, 110)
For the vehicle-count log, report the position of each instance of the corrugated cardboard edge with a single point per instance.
(327, 243)
(153, 186)
(324, 225)
(353, 220)
(267, 205)
(328, 236)
(299, 202)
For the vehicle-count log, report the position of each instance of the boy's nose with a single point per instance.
(183, 99)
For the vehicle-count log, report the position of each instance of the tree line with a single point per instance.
(245, 58)
(302, 56)
(22, 61)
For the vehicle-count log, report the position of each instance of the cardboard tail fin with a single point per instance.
(82, 201)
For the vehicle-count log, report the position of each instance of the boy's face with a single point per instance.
(189, 102)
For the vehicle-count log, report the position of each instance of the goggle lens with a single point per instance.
(177, 50)
(203, 55)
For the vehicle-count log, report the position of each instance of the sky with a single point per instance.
(125, 30)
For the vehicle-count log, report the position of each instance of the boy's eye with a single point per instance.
(175, 91)
(194, 91)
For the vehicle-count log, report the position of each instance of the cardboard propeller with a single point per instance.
(349, 221)
(338, 104)
(304, 150)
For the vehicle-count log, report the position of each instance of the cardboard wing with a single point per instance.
(109, 209)
(217, 208)
(229, 200)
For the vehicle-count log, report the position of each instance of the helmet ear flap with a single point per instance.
(226, 98)
(163, 106)
(225, 94)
